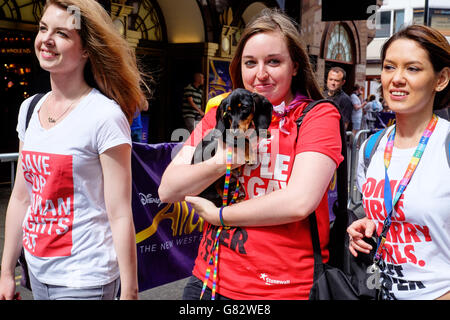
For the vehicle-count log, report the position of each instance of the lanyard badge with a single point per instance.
(214, 257)
(390, 203)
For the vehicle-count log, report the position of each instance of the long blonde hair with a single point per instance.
(112, 66)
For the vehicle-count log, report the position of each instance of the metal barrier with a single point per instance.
(355, 197)
(12, 158)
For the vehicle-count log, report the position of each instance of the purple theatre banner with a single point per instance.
(167, 235)
(332, 196)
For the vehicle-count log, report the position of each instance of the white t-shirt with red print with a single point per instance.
(417, 249)
(66, 232)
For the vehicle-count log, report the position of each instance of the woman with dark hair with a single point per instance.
(405, 188)
(70, 208)
(267, 251)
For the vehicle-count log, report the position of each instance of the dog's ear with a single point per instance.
(221, 109)
(263, 112)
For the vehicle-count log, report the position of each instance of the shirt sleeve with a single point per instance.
(360, 174)
(320, 132)
(114, 130)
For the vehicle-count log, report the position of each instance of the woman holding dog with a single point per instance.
(267, 252)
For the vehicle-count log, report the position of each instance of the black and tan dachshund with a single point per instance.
(241, 119)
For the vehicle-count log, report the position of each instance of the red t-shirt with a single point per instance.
(273, 262)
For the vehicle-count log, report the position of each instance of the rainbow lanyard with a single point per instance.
(388, 203)
(214, 257)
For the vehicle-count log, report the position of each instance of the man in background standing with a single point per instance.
(192, 102)
(334, 92)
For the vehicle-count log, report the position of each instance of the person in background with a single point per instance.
(335, 81)
(357, 113)
(371, 110)
(411, 160)
(136, 129)
(70, 209)
(193, 101)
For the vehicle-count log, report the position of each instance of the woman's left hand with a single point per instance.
(205, 209)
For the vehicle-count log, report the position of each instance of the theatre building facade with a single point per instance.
(173, 39)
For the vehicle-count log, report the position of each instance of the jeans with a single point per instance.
(193, 289)
(42, 291)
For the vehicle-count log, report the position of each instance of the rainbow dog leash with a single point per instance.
(389, 204)
(214, 257)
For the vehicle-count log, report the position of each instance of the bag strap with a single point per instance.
(31, 107)
(338, 231)
(318, 263)
(371, 146)
(447, 148)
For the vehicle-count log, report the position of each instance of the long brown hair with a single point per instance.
(270, 20)
(438, 49)
(112, 66)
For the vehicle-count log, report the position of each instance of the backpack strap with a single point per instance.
(340, 224)
(371, 146)
(31, 107)
(308, 108)
(447, 148)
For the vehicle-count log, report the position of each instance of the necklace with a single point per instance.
(54, 120)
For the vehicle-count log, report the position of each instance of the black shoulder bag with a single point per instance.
(344, 277)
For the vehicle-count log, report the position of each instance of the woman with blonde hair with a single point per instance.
(267, 251)
(70, 208)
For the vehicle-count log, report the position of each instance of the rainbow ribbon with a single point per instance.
(214, 257)
(388, 203)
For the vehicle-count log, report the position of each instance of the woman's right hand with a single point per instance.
(8, 288)
(357, 231)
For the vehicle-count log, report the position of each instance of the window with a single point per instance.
(418, 16)
(399, 19)
(383, 20)
(339, 47)
(440, 19)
